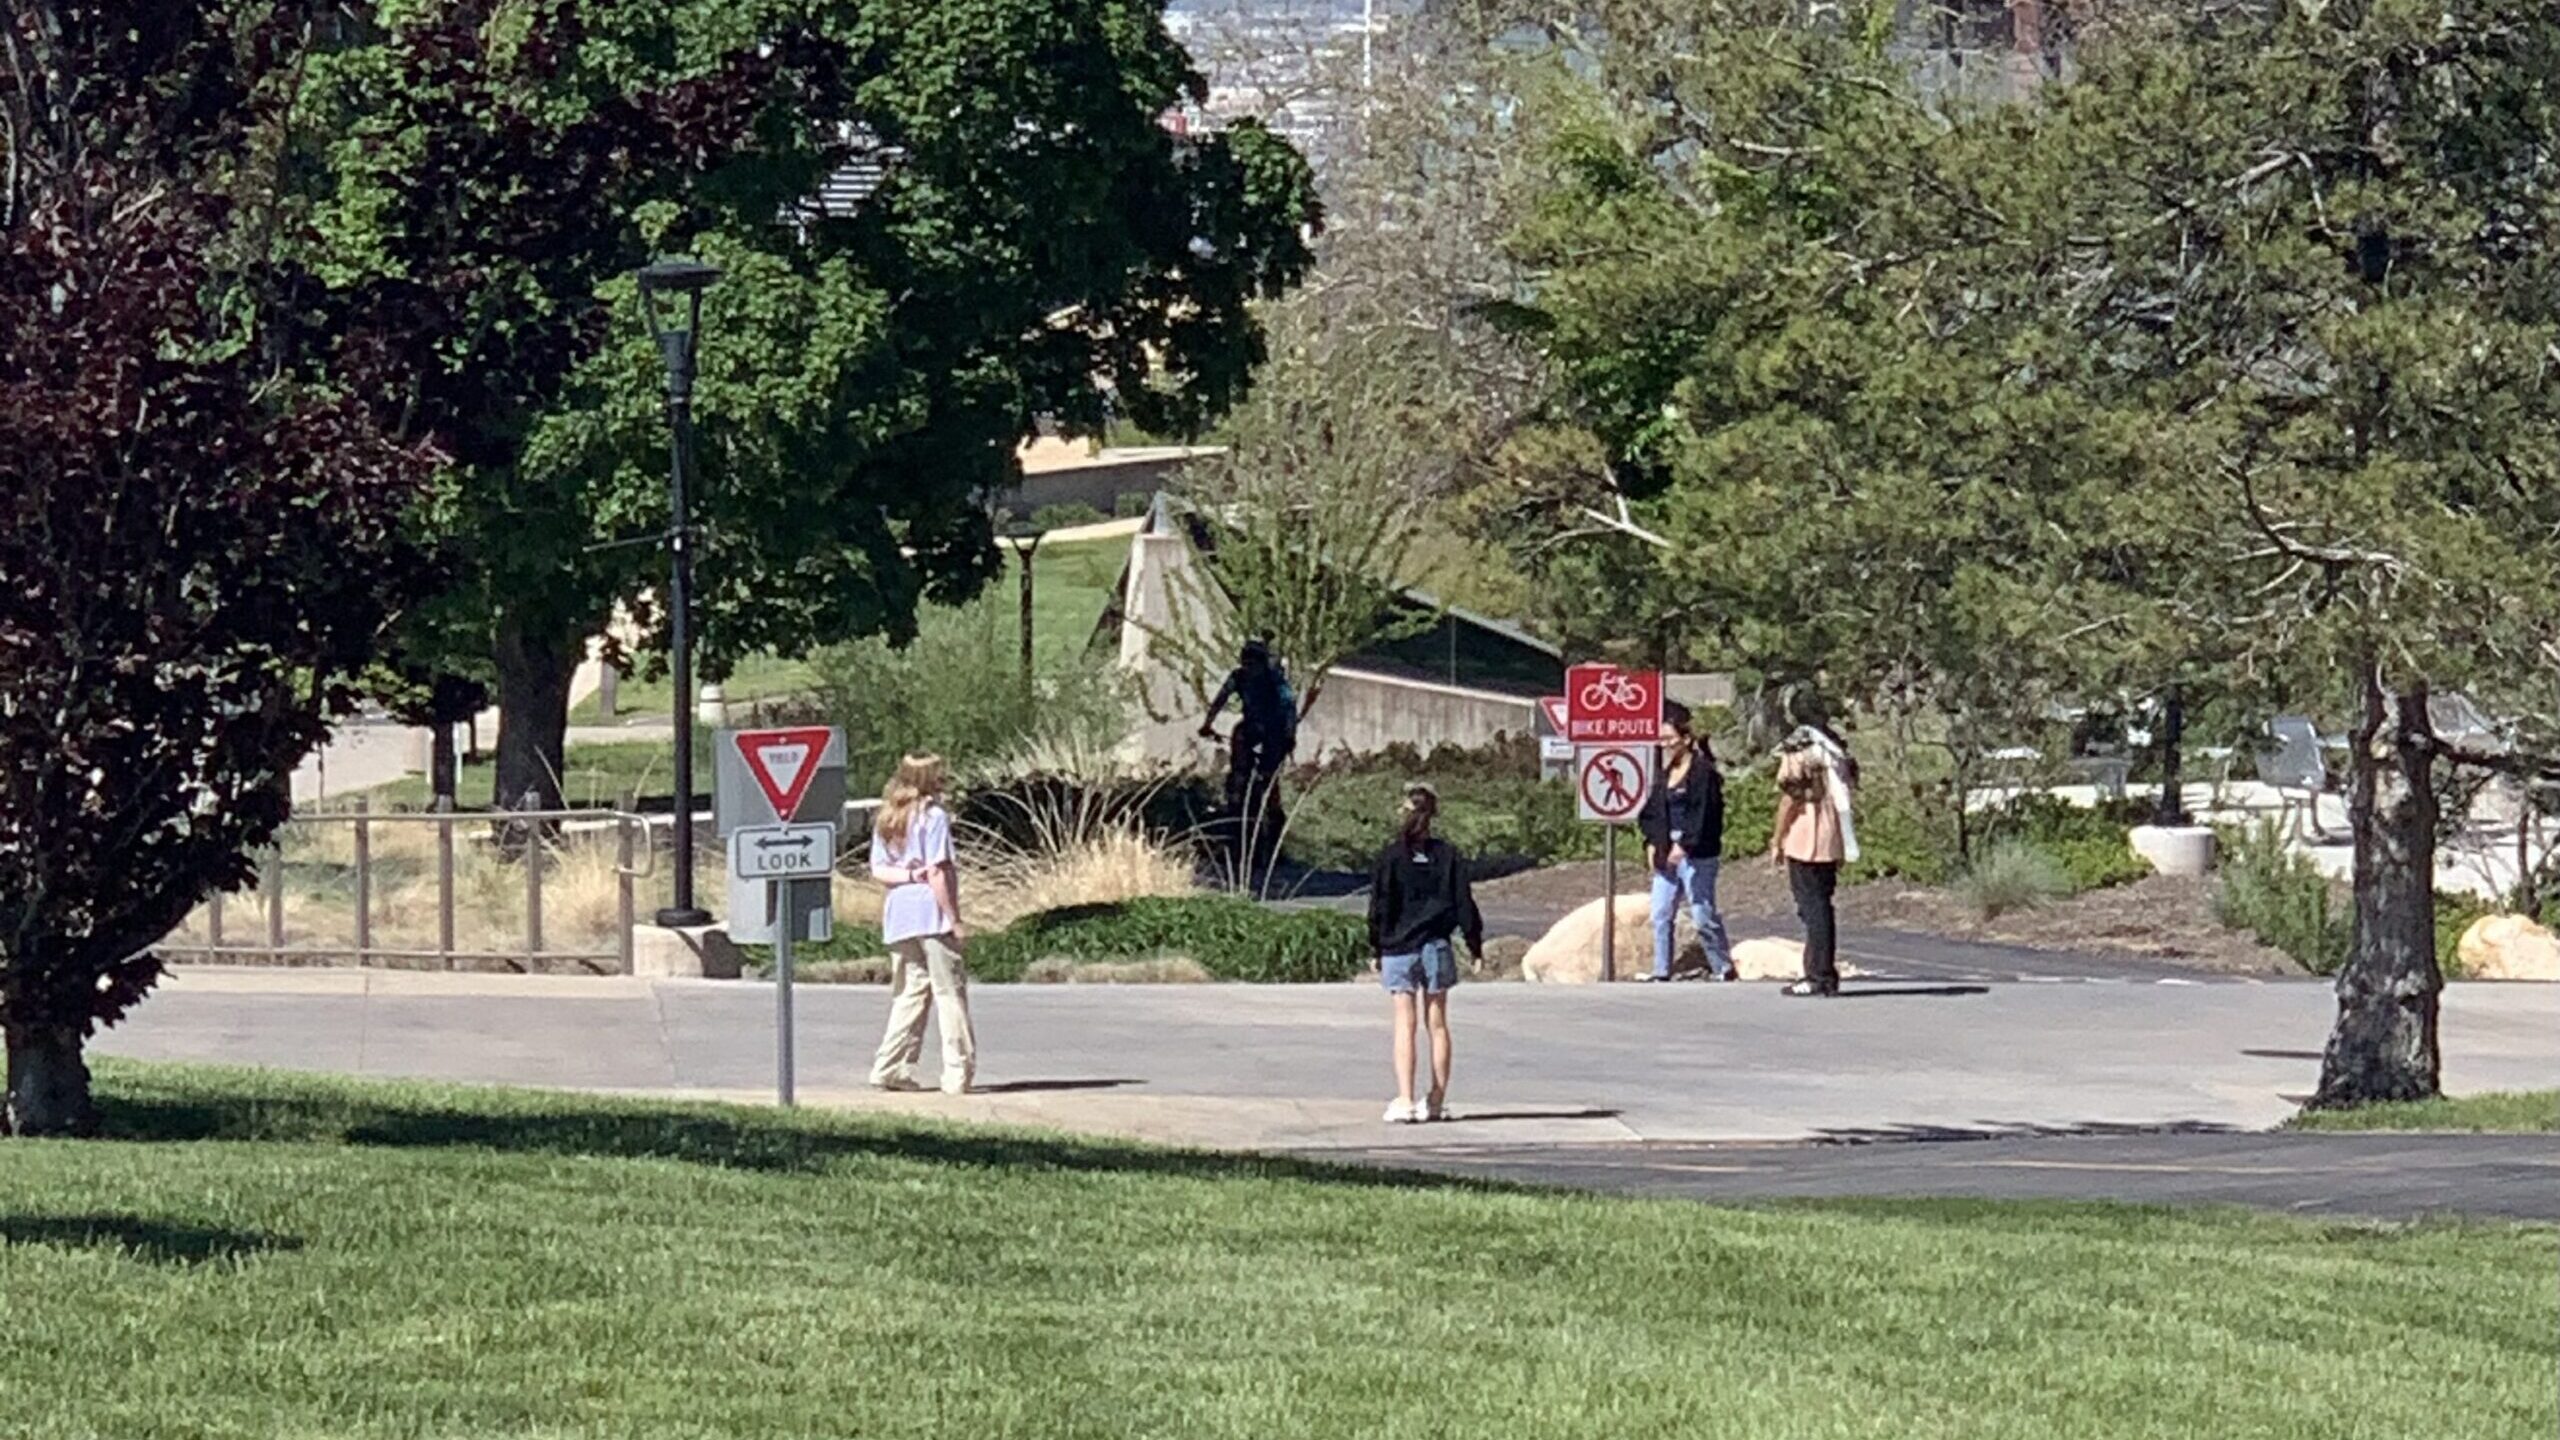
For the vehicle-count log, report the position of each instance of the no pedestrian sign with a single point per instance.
(1606, 705)
(1611, 781)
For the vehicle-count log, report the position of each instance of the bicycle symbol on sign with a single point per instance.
(1616, 690)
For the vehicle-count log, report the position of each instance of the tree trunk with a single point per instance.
(2172, 809)
(48, 1083)
(533, 717)
(444, 769)
(2384, 1045)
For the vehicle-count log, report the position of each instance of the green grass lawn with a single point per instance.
(2511, 1112)
(276, 1257)
(758, 677)
(594, 776)
(1073, 583)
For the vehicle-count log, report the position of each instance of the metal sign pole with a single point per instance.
(778, 894)
(1609, 912)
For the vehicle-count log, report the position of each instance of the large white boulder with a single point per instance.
(1569, 953)
(2509, 947)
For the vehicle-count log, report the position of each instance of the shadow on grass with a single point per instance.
(236, 1105)
(158, 1242)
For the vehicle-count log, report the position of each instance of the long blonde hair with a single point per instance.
(917, 784)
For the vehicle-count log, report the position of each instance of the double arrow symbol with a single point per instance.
(800, 842)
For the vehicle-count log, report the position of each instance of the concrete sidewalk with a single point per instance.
(1304, 1067)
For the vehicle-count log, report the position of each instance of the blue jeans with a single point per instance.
(1695, 881)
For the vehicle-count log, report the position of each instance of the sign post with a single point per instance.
(777, 796)
(1613, 718)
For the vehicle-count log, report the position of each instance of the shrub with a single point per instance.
(1344, 816)
(2091, 842)
(953, 691)
(853, 952)
(2283, 899)
(2012, 875)
(1232, 939)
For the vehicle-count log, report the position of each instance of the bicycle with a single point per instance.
(1617, 691)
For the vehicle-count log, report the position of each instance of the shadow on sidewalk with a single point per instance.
(1043, 1087)
(1853, 991)
(167, 1104)
(1895, 1134)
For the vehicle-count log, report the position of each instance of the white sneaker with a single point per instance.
(1400, 1113)
(1430, 1110)
(899, 1085)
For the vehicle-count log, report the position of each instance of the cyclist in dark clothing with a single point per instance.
(1267, 731)
(1683, 825)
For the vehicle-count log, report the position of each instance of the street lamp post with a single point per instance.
(671, 297)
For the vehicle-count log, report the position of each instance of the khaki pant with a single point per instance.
(927, 974)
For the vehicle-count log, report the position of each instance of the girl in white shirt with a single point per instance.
(911, 854)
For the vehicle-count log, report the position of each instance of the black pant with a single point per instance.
(1813, 884)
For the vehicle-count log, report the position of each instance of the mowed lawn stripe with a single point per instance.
(358, 1260)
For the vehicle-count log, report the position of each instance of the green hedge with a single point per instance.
(1344, 818)
(1233, 939)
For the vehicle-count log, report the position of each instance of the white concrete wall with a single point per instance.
(1359, 712)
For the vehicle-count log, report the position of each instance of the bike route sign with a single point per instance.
(1606, 705)
(1610, 782)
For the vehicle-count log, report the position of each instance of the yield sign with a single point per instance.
(783, 762)
(1557, 721)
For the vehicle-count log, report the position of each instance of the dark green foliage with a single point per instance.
(2090, 843)
(1342, 823)
(1232, 939)
(2282, 898)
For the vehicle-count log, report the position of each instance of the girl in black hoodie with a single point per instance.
(1419, 901)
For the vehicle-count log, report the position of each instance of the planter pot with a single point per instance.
(2175, 849)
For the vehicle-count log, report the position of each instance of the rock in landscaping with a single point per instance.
(1569, 953)
(2509, 947)
(1773, 957)
(1503, 957)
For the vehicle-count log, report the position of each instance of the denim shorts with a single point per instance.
(1432, 970)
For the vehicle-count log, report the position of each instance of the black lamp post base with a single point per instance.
(683, 919)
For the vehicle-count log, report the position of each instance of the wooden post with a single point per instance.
(444, 881)
(364, 878)
(626, 907)
(533, 853)
(1609, 911)
(213, 923)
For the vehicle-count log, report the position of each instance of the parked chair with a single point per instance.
(2458, 721)
(2299, 772)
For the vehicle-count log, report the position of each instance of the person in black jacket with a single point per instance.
(1683, 825)
(1419, 901)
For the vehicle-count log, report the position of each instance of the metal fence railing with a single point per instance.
(525, 890)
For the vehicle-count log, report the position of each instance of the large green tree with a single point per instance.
(2227, 355)
(2315, 243)
(1037, 245)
